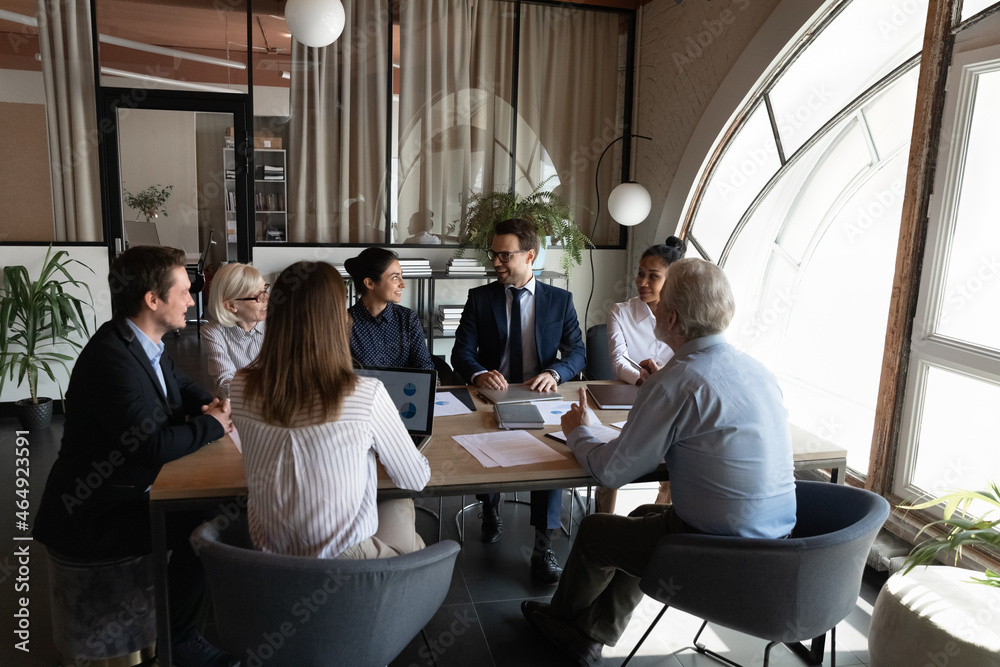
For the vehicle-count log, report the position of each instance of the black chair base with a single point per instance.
(811, 656)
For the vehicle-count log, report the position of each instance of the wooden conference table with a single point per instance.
(214, 476)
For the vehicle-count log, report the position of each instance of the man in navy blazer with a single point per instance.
(520, 330)
(129, 410)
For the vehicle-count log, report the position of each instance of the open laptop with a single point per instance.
(412, 390)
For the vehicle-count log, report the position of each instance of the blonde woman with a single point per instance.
(311, 429)
(238, 305)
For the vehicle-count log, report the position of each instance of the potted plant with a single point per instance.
(36, 317)
(552, 215)
(959, 528)
(150, 201)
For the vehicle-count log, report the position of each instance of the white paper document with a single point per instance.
(618, 424)
(600, 431)
(507, 448)
(446, 405)
(552, 411)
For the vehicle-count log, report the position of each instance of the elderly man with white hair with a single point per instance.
(716, 417)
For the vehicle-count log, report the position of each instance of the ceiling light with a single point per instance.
(315, 22)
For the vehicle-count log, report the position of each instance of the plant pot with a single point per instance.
(539, 264)
(34, 416)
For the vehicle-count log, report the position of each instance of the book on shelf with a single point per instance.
(448, 309)
(342, 269)
(415, 267)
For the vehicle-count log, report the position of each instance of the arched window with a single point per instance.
(801, 207)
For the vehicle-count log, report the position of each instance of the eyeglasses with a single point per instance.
(259, 297)
(504, 257)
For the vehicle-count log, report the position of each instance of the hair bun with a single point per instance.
(351, 264)
(675, 242)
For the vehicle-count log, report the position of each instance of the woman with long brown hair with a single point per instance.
(311, 429)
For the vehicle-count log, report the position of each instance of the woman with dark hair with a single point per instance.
(384, 333)
(635, 351)
(311, 429)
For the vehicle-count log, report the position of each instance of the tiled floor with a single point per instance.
(479, 624)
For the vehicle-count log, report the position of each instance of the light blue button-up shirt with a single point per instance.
(153, 350)
(716, 416)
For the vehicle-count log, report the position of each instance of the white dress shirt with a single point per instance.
(529, 351)
(311, 489)
(630, 334)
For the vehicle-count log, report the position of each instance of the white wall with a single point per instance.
(159, 148)
(94, 257)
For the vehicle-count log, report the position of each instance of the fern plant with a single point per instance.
(961, 529)
(552, 215)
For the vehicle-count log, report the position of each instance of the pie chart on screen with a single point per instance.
(407, 410)
(409, 389)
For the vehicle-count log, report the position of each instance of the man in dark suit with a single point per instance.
(129, 410)
(520, 330)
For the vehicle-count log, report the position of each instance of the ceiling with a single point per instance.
(216, 29)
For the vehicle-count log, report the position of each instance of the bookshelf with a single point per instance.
(270, 197)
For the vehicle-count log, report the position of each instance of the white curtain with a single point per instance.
(454, 110)
(569, 106)
(71, 117)
(338, 132)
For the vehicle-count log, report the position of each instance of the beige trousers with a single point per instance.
(396, 534)
(605, 498)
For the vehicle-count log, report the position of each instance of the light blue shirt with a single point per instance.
(716, 416)
(153, 350)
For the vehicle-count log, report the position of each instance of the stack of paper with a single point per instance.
(465, 267)
(415, 267)
(448, 318)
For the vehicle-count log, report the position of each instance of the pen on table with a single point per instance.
(634, 364)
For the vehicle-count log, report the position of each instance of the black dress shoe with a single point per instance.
(492, 523)
(545, 568)
(563, 634)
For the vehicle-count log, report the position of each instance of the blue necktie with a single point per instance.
(514, 340)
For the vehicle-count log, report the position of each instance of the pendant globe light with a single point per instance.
(315, 22)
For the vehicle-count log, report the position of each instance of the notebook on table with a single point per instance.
(412, 391)
(613, 396)
(518, 415)
(517, 393)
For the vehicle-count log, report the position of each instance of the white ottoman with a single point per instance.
(933, 617)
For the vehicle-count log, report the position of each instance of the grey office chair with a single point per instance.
(360, 612)
(598, 356)
(786, 590)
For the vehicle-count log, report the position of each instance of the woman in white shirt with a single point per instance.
(311, 430)
(635, 351)
(237, 302)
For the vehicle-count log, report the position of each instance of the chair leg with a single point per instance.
(646, 634)
(712, 654)
(814, 654)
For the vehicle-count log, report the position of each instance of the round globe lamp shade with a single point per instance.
(315, 22)
(629, 204)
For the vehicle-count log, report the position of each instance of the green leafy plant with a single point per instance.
(36, 316)
(960, 529)
(150, 201)
(552, 215)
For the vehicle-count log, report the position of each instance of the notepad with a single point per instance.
(518, 415)
(613, 396)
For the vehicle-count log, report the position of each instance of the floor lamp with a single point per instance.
(629, 204)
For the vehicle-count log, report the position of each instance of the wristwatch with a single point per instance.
(554, 374)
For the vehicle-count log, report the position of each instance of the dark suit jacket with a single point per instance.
(482, 333)
(120, 429)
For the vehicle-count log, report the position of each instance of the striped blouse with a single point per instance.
(312, 488)
(229, 350)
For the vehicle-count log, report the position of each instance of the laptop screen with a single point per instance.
(412, 390)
